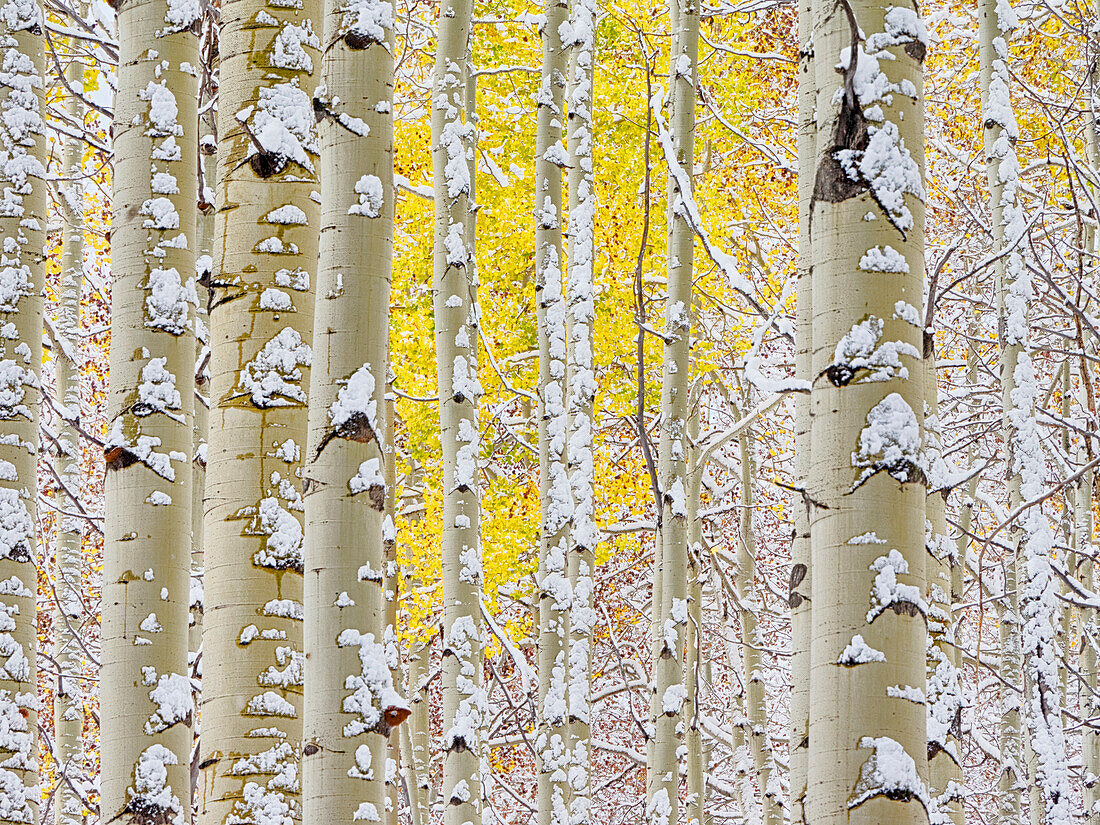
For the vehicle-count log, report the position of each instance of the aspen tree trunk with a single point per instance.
(756, 711)
(556, 504)
(799, 587)
(456, 325)
(261, 326)
(1033, 644)
(739, 747)
(68, 708)
(693, 659)
(415, 736)
(1013, 774)
(866, 487)
(352, 704)
(1090, 745)
(663, 803)
(145, 687)
(391, 586)
(204, 265)
(581, 393)
(943, 688)
(1090, 667)
(1066, 613)
(23, 198)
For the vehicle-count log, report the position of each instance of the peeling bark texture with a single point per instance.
(68, 708)
(456, 336)
(663, 803)
(145, 694)
(352, 701)
(555, 499)
(261, 328)
(866, 755)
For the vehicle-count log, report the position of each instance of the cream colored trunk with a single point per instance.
(1012, 779)
(261, 326)
(556, 505)
(1090, 745)
(581, 391)
(695, 813)
(663, 802)
(145, 688)
(415, 735)
(799, 587)
(23, 198)
(391, 588)
(756, 710)
(943, 689)
(351, 705)
(456, 335)
(866, 487)
(203, 267)
(68, 712)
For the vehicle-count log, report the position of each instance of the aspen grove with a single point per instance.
(549, 412)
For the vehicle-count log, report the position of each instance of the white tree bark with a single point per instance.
(415, 735)
(145, 688)
(663, 802)
(943, 688)
(456, 330)
(67, 653)
(580, 398)
(22, 227)
(261, 326)
(799, 587)
(555, 498)
(352, 706)
(1030, 631)
(756, 711)
(867, 758)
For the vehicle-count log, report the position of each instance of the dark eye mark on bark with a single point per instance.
(831, 183)
(798, 575)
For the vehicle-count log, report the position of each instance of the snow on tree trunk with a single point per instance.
(1030, 626)
(415, 733)
(663, 801)
(756, 711)
(261, 328)
(145, 694)
(555, 498)
(695, 807)
(351, 705)
(22, 228)
(391, 587)
(456, 338)
(67, 653)
(943, 690)
(865, 487)
(580, 392)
